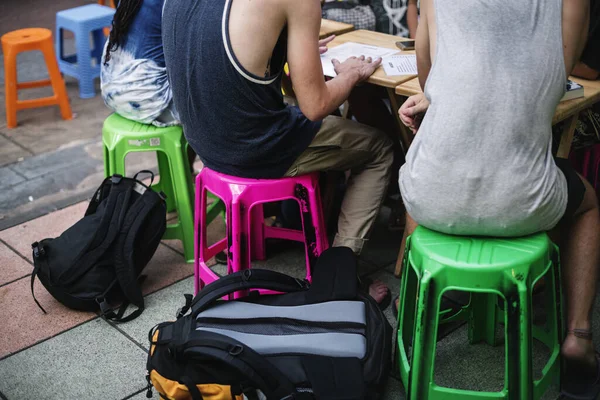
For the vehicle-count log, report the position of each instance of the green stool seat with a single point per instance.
(121, 136)
(491, 269)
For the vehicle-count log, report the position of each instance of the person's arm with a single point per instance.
(412, 18)
(584, 71)
(412, 111)
(588, 66)
(575, 24)
(317, 98)
(422, 43)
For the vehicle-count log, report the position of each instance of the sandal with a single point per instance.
(577, 383)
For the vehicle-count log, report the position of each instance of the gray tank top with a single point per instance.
(481, 162)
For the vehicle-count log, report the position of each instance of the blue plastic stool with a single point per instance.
(82, 21)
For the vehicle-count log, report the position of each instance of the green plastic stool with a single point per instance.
(121, 136)
(489, 268)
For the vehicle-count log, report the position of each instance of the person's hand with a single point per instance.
(412, 111)
(363, 67)
(323, 44)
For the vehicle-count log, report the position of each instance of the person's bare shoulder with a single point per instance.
(300, 9)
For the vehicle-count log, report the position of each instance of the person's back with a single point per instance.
(134, 78)
(481, 162)
(235, 119)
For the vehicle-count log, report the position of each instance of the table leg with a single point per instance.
(405, 133)
(567, 137)
(347, 114)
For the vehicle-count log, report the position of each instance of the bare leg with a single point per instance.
(411, 225)
(580, 257)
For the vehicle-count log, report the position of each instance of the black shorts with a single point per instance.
(575, 188)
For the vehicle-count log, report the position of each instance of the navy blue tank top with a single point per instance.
(236, 121)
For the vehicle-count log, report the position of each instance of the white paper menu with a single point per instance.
(351, 49)
(402, 64)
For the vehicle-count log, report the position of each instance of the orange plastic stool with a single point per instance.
(30, 39)
(111, 4)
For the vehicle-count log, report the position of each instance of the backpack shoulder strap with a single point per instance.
(242, 280)
(123, 261)
(256, 368)
(108, 230)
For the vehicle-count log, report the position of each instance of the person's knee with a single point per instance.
(590, 200)
(385, 153)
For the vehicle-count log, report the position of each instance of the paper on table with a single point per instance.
(351, 49)
(402, 64)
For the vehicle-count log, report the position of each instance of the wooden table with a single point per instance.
(569, 110)
(379, 77)
(565, 111)
(329, 27)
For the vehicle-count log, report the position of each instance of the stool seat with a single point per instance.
(87, 13)
(26, 36)
(30, 39)
(493, 270)
(246, 231)
(480, 253)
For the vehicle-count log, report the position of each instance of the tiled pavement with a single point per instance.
(67, 354)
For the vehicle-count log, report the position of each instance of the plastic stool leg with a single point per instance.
(10, 83)
(237, 246)
(180, 178)
(257, 228)
(316, 212)
(166, 183)
(58, 84)
(519, 344)
(84, 64)
(199, 231)
(482, 318)
(99, 40)
(106, 158)
(421, 375)
(58, 43)
(406, 319)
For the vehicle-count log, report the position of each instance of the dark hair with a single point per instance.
(126, 10)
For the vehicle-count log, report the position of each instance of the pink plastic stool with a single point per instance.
(246, 231)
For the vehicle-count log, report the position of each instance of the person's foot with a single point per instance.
(378, 291)
(581, 376)
(580, 350)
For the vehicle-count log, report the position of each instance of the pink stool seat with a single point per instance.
(246, 231)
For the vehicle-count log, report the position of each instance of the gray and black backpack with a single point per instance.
(324, 340)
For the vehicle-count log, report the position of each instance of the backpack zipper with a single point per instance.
(286, 326)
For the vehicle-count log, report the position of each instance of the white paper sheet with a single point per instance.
(351, 49)
(402, 64)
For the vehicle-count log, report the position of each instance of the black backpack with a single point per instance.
(102, 255)
(323, 340)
